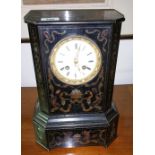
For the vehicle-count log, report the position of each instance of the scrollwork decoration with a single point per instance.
(113, 60)
(87, 100)
(82, 137)
(50, 38)
(101, 36)
(37, 65)
(64, 100)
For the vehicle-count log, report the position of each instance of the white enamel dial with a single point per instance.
(75, 60)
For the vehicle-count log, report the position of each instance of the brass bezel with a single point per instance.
(63, 79)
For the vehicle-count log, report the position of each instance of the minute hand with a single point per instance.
(76, 58)
(77, 53)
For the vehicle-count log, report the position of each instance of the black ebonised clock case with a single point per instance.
(67, 115)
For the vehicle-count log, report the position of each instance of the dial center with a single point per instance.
(75, 60)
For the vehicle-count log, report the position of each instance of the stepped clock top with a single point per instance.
(81, 16)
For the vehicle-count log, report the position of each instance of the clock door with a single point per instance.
(75, 64)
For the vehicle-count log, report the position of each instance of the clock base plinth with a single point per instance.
(72, 130)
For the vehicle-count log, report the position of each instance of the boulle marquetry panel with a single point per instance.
(69, 114)
(88, 97)
(77, 137)
(60, 131)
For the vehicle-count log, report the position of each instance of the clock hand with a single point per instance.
(76, 60)
(76, 63)
(77, 52)
(78, 67)
(80, 70)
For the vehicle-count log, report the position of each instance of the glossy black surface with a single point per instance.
(101, 35)
(68, 16)
(60, 118)
(52, 92)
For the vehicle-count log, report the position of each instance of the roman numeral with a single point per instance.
(60, 61)
(67, 48)
(89, 53)
(77, 47)
(62, 54)
(68, 73)
(91, 61)
(62, 68)
(88, 68)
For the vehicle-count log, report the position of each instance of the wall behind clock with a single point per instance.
(124, 6)
(124, 65)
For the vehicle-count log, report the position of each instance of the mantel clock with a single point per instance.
(74, 54)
